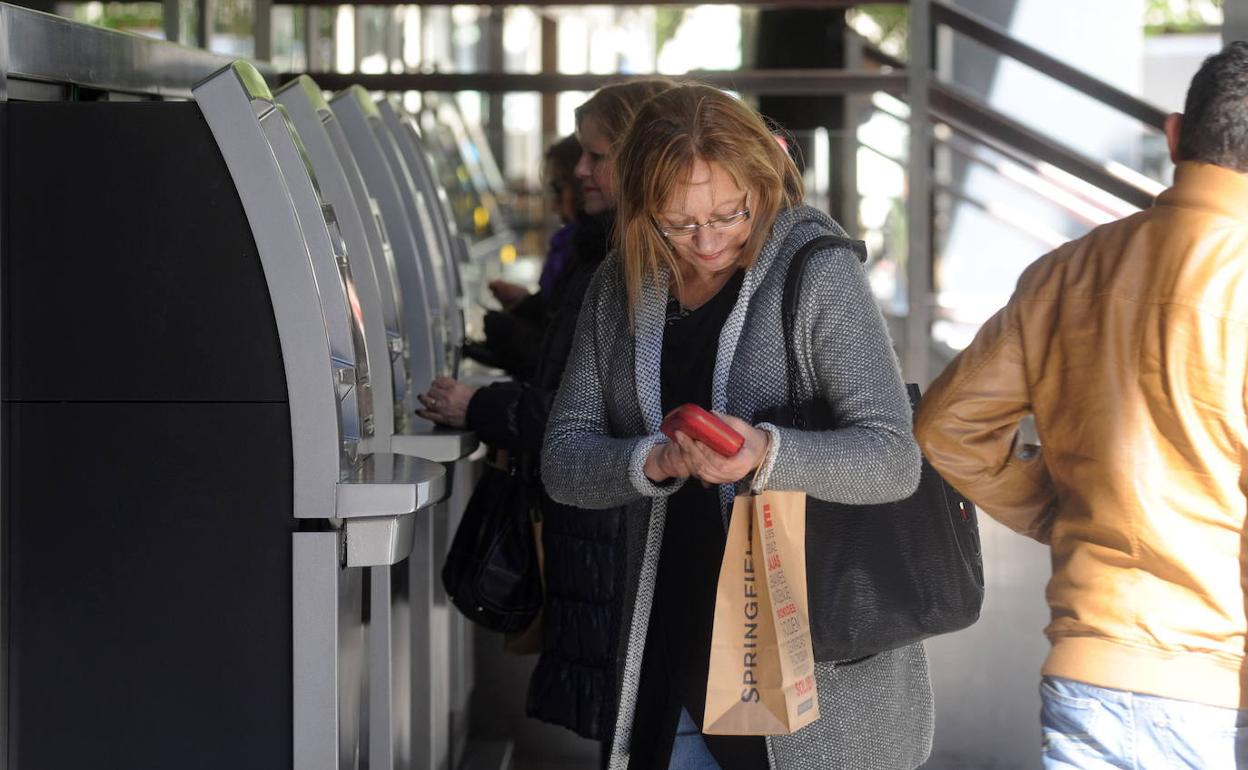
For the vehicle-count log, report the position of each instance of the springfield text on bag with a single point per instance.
(789, 627)
(749, 691)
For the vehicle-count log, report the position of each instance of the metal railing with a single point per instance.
(970, 116)
(999, 40)
(975, 119)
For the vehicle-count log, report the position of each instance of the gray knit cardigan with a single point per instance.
(875, 715)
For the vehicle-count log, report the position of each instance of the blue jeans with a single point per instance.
(689, 751)
(1094, 728)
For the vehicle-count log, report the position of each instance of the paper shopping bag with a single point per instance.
(762, 672)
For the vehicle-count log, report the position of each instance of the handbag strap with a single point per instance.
(788, 308)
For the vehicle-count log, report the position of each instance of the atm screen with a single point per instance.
(363, 390)
(457, 165)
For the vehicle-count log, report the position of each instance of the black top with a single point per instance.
(677, 657)
(537, 332)
(512, 415)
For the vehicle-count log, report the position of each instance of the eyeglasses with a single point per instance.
(718, 223)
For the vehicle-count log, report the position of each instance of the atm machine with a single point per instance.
(191, 501)
(475, 208)
(474, 168)
(402, 127)
(341, 187)
(367, 134)
(438, 732)
(406, 135)
(420, 687)
(423, 337)
(246, 122)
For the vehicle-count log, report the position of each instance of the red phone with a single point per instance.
(697, 423)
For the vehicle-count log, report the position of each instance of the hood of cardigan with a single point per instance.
(793, 227)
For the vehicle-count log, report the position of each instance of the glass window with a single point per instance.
(140, 18)
(233, 25)
(289, 37)
(522, 40)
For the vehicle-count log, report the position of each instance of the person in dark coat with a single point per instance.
(513, 335)
(574, 683)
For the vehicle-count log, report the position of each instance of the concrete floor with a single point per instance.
(985, 678)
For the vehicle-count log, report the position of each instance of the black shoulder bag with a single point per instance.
(879, 577)
(492, 574)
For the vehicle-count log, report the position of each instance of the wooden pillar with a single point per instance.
(917, 362)
(549, 126)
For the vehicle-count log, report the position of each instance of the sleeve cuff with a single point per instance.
(763, 474)
(637, 469)
(491, 413)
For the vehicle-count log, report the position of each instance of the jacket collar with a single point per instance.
(1210, 188)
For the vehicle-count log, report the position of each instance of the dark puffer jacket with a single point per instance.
(513, 338)
(574, 684)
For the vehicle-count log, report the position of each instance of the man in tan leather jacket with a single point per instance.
(1130, 347)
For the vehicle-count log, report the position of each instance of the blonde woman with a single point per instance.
(688, 310)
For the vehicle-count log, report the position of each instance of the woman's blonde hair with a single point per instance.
(613, 106)
(672, 131)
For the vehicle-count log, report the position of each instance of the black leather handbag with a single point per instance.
(492, 574)
(879, 577)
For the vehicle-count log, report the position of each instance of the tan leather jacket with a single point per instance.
(1130, 347)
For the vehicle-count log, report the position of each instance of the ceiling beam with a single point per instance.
(771, 82)
(820, 4)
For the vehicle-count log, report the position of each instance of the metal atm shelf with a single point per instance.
(377, 502)
(434, 443)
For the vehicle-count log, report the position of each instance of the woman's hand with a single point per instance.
(665, 462)
(446, 403)
(713, 468)
(508, 294)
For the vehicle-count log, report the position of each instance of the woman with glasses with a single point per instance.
(688, 309)
(574, 683)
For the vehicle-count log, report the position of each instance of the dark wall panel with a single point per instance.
(148, 559)
(131, 274)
